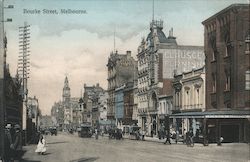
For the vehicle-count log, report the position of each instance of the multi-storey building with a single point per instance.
(57, 114)
(76, 118)
(11, 101)
(103, 97)
(66, 103)
(33, 117)
(189, 100)
(124, 104)
(227, 73)
(91, 112)
(121, 69)
(159, 57)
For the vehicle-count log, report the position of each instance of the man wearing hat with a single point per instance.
(17, 145)
(8, 143)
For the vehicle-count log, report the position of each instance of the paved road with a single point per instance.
(70, 148)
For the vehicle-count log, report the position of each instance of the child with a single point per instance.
(41, 149)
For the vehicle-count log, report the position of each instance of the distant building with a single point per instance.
(124, 103)
(227, 38)
(159, 58)
(57, 112)
(121, 69)
(46, 121)
(103, 97)
(91, 99)
(66, 103)
(33, 117)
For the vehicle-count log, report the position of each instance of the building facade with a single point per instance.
(227, 73)
(33, 117)
(121, 68)
(66, 103)
(159, 57)
(189, 99)
(57, 113)
(91, 99)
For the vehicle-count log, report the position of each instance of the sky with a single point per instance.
(78, 45)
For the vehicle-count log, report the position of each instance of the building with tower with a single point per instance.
(159, 58)
(66, 103)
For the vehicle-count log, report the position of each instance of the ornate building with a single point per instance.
(121, 69)
(66, 103)
(227, 38)
(159, 57)
(189, 99)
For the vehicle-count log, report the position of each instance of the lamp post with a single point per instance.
(2, 69)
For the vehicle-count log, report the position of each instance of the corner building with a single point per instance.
(227, 38)
(159, 57)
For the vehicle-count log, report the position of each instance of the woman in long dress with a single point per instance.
(41, 148)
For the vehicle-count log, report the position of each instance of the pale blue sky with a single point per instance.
(79, 45)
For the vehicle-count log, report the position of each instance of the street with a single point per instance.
(70, 148)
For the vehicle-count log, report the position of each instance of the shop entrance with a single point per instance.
(230, 133)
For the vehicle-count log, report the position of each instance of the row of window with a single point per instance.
(228, 82)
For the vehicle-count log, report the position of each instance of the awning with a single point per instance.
(239, 114)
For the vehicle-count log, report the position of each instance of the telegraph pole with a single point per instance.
(23, 70)
(2, 105)
(3, 46)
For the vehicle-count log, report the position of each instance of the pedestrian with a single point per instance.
(96, 134)
(41, 146)
(143, 135)
(184, 136)
(220, 141)
(17, 144)
(177, 137)
(189, 139)
(167, 137)
(8, 143)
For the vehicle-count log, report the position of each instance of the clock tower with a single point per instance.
(66, 91)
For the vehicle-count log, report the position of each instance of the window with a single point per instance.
(213, 55)
(214, 83)
(228, 82)
(248, 80)
(226, 50)
(187, 98)
(198, 95)
(247, 41)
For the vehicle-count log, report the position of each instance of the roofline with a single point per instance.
(225, 10)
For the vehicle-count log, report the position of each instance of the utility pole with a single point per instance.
(2, 105)
(23, 70)
(3, 46)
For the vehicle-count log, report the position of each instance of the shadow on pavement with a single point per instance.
(24, 160)
(90, 159)
(57, 142)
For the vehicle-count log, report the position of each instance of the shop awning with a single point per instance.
(240, 114)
